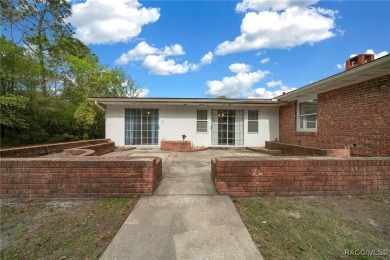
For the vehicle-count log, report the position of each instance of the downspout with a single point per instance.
(99, 106)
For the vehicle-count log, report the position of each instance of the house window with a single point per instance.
(201, 121)
(307, 115)
(253, 121)
(141, 126)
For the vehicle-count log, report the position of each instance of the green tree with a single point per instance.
(87, 78)
(11, 109)
(39, 23)
(47, 75)
(19, 71)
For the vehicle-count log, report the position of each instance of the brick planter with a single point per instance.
(176, 146)
(291, 176)
(25, 179)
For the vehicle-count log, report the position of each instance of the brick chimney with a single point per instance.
(358, 60)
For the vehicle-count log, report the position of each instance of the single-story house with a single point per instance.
(347, 110)
(205, 122)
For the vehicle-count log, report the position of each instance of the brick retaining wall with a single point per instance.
(24, 179)
(39, 150)
(290, 176)
(297, 150)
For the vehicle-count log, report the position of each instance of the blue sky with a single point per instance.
(240, 49)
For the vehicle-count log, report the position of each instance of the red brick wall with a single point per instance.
(298, 150)
(177, 146)
(291, 176)
(357, 114)
(38, 150)
(24, 179)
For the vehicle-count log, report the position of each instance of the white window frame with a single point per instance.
(301, 117)
(252, 120)
(202, 120)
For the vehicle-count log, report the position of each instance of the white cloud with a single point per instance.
(294, 26)
(206, 59)
(340, 66)
(267, 5)
(277, 89)
(160, 65)
(239, 67)
(157, 61)
(264, 93)
(242, 84)
(143, 49)
(274, 83)
(342, 32)
(102, 22)
(144, 92)
(237, 85)
(377, 55)
(265, 60)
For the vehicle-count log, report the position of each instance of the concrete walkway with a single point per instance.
(185, 219)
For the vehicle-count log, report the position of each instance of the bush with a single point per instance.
(62, 138)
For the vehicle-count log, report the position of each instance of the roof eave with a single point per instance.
(179, 101)
(381, 66)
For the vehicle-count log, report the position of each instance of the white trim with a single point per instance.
(298, 119)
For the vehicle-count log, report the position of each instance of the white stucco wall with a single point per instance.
(175, 121)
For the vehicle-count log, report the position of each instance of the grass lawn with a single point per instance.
(67, 230)
(318, 227)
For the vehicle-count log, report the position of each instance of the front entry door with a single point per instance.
(141, 126)
(227, 127)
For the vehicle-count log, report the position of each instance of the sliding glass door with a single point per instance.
(227, 127)
(141, 126)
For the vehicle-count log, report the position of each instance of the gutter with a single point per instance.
(99, 106)
(186, 101)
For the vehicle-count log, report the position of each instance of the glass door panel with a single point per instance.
(214, 127)
(227, 127)
(141, 126)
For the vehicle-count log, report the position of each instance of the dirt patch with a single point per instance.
(319, 227)
(68, 230)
